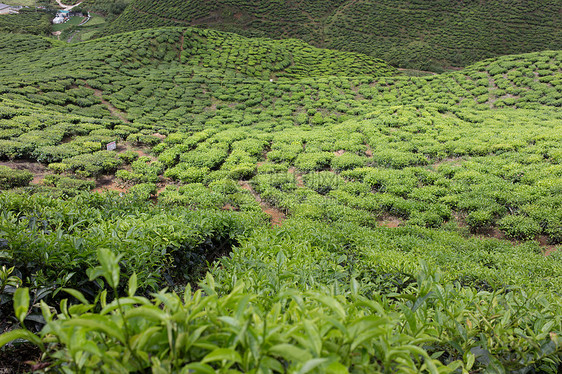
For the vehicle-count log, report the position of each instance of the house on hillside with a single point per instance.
(6, 9)
(61, 17)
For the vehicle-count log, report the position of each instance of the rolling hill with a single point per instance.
(411, 34)
(317, 210)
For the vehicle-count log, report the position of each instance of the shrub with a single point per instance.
(313, 161)
(323, 182)
(140, 139)
(69, 183)
(143, 190)
(59, 167)
(10, 178)
(10, 149)
(479, 219)
(128, 156)
(348, 161)
(519, 227)
(94, 164)
(187, 174)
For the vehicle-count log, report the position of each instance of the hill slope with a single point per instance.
(407, 33)
(391, 193)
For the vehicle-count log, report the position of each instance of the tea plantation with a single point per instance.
(420, 34)
(273, 207)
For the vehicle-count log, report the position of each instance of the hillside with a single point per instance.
(411, 34)
(316, 211)
(26, 22)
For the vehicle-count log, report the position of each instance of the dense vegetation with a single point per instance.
(26, 22)
(407, 33)
(384, 190)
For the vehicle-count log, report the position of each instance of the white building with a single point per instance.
(5, 9)
(62, 16)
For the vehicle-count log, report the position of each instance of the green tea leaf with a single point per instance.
(312, 364)
(21, 303)
(222, 354)
(77, 294)
(290, 352)
(19, 334)
(133, 285)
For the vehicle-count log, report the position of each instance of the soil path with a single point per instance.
(67, 7)
(182, 38)
(298, 176)
(113, 110)
(277, 217)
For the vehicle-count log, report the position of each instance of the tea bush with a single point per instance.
(10, 178)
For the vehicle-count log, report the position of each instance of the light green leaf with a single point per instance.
(332, 304)
(98, 323)
(222, 354)
(290, 352)
(197, 368)
(77, 294)
(150, 313)
(133, 285)
(110, 265)
(19, 334)
(312, 364)
(21, 303)
(469, 361)
(336, 368)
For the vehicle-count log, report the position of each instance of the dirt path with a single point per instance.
(277, 217)
(71, 37)
(113, 110)
(298, 176)
(67, 7)
(182, 38)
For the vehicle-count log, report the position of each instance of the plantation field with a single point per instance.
(26, 22)
(438, 33)
(306, 210)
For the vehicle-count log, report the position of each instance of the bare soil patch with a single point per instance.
(390, 221)
(20, 358)
(277, 216)
(298, 176)
(113, 110)
(38, 170)
(548, 248)
(108, 183)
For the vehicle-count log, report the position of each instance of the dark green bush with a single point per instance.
(68, 183)
(519, 227)
(11, 178)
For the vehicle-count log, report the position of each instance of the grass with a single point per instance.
(73, 21)
(29, 3)
(95, 21)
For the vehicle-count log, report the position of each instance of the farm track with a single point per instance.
(67, 7)
(277, 217)
(113, 110)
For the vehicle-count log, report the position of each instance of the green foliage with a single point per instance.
(300, 330)
(332, 150)
(93, 164)
(435, 36)
(519, 227)
(26, 22)
(128, 156)
(68, 183)
(10, 178)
